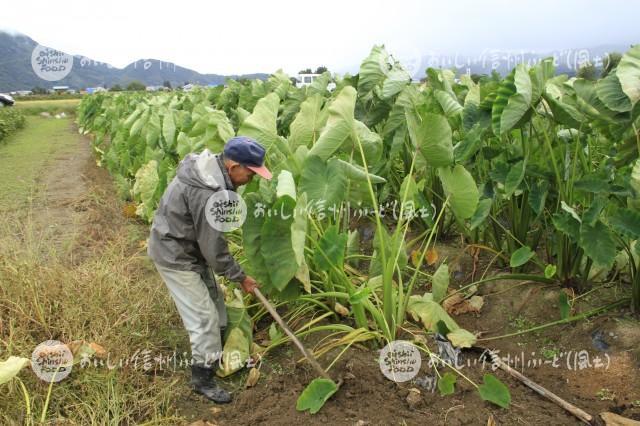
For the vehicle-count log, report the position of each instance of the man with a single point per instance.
(184, 247)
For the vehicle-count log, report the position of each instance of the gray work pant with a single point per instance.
(200, 303)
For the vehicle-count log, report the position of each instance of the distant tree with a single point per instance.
(587, 71)
(293, 80)
(476, 77)
(116, 88)
(306, 71)
(321, 69)
(39, 90)
(610, 63)
(167, 84)
(136, 86)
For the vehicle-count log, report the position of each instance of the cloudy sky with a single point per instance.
(244, 36)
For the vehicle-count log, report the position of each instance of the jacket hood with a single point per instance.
(204, 170)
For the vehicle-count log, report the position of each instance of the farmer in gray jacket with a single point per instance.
(185, 247)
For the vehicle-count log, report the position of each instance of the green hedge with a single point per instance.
(49, 97)
(11, 120)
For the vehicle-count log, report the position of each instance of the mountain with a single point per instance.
(16, 72)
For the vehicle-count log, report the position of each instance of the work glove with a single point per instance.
(249, 284)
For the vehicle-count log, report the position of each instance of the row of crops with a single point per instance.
(11, 120)
(539, 170)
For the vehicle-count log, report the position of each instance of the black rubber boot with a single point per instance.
(203, 382)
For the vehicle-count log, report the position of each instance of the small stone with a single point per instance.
(414, 398)
(361, 423)
(349, 376)
(215, 410)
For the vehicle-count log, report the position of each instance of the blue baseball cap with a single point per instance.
(247, 152)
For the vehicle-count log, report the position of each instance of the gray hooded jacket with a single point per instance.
(181, 238)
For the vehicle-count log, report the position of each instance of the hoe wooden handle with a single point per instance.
(308, 355)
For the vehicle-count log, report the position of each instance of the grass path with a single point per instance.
(26, 154)
(72, 268)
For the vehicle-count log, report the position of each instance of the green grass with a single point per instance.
(52, 106)
(24, 155)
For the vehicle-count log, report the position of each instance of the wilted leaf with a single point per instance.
(302, 274)
(461, 338)
(81, 349)
(100, 352)
(431, 256)
(612, 419)
(11, 367)
(457, 304)
(252, 378)
(429, 312)
(237, 347)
